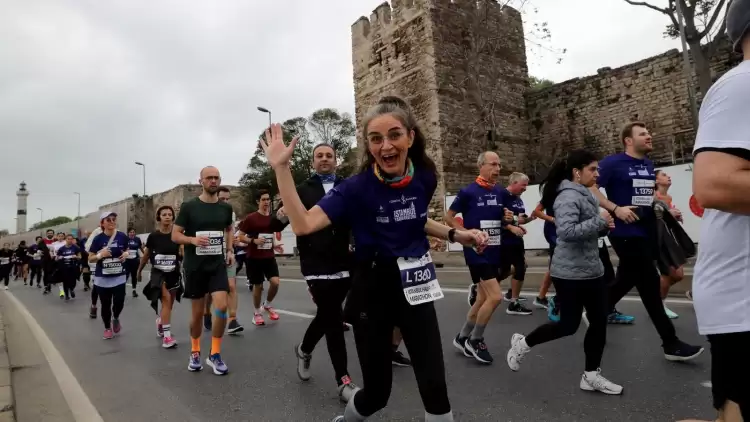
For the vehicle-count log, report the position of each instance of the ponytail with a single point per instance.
(563, 170)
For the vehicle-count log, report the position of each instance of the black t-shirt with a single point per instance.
(5, 257)
(163, 253)
(208, 219)
(22, 254)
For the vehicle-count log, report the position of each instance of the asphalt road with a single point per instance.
(131, 378)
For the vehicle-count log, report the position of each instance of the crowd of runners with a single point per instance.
(365, 255)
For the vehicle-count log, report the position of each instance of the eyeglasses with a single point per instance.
(110, 220)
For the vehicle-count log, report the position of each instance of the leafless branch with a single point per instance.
(712, 21)
(650, 6)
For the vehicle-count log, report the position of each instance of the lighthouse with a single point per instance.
(22, 195)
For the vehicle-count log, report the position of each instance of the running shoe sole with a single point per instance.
(213, 367)
(673, 358)
(236, 330)
(461, 348)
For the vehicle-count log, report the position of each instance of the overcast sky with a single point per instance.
(89, 87)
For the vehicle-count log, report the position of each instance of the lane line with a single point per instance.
(292, 313)
(79, 403)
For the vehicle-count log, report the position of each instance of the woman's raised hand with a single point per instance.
(277, 154)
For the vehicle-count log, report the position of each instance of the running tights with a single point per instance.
(86, 279)
(131, 271)
(328, 322)
(5, 273)
(577, 295)
(113, 300)
(68, 276)
(94, 295)
(381, 304)
(36, 272)
(637, 268)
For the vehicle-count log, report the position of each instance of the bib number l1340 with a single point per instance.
(419, 280)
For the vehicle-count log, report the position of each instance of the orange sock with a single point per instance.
(215, 345)
(195, 344)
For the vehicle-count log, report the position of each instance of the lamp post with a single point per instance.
(265, 110)
(78, 217)
(41, 218)
(144, 176)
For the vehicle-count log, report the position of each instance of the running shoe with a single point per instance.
(553, 311)
(271, 313)
(478, 349)
(303, 363)
(517, 308)
(670, 313)
(347, 389)
(168, 342)
(460, 344)
(338, 419)
(72, 294)
(108, 334)
(218, 365)
(195, 362)
(541, 302)
(398, 359)
(682, 352)
(618, 317)
(62, 294)
(509, 296)
(258, 320)
(116, 326)
(234, 327)
(159, 328)
(689, 294)
(517, 352)
(207, 323)
(92, 311)
(594, 381)
(472, 294)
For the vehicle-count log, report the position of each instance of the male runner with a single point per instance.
(257, 230)
(512, 248)
(35, 266)
(49, 238)
(204, 226)
(721, 182)
(628, 179)
(135, 251)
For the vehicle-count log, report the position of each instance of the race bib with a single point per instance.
(165, 263)
(37, 256)
(419, 280)
(643, 192)
(215, 243)
(267, 240)
(133, 254)
(601, 242)
(4, 261)
(111, 266)
(493, 230)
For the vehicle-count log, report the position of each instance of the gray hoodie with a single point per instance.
(578, 225)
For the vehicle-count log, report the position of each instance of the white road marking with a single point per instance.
(79, 403)
(292, 313)
(707, 384)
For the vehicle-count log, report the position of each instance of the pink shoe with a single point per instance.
(108, 335)
(168, 343)
(258, 320)
(271, 313)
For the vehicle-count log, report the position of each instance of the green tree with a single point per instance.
(328, 126)
(704, 23)
(4, 232)
(537, 84)
(51, 222)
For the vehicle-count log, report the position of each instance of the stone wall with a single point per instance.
(461, 65)
(588, 112)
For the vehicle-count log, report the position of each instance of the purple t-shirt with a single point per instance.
(482, 209)
(629, 181)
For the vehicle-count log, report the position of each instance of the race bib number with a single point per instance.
(419, 280)
(643, 192)
(111, 266)
(493, 230)
(133, 254)
(267, 241)
(165, 263)
(215, 243)
(37, 256)
(601, 242)
(4, 261)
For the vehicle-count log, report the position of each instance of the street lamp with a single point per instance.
(78, 218)
(41, 218)
(144, 176)
(265, 110)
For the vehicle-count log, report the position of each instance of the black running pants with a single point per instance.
(36, 272)
(113, 300)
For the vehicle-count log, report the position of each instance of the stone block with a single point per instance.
(7, 416)
(6, 398)
(5, 377)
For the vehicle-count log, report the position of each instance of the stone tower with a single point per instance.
(461, 64)
(22, 194)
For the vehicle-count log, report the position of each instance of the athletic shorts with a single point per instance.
(171, 279)
(483, 272)
(232, 271)
(260, 270)
(730, 371)
(515, 255)
(200, 282)
(551, 254)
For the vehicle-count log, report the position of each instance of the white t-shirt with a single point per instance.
(327, 187)
(721, 282)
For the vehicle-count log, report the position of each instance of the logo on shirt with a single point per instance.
(403, 200)
(405, 213)
(383, 219)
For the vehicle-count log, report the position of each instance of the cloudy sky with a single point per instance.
(89, 87)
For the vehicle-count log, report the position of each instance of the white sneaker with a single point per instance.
(594, 381)
(670, 313)
(517, 352)
(7, 288)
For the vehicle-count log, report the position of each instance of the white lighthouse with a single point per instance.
(22, 194)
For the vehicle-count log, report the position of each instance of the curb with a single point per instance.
(7, 407)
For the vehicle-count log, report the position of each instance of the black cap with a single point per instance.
(738, 22)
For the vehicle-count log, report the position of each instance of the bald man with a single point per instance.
(204, 226)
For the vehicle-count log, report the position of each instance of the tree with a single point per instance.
(328, 126)
(703, 22)
(4, 232)
(51, 222)
(537, 84)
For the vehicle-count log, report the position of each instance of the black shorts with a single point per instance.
(515, 255)
(483, 272)
(730, 371)
(199, 282)
(551, 254)
(260, 270)
(171, 279)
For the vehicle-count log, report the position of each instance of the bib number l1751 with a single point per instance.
(419, 280)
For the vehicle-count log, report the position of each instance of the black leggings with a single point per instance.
(68, 277)
(637, 268)
(577, 295)
(378, 302)
(328, 322)
(94, 295)
(113, 300)
(131, 271)
(86, 278)
(36, 272)
(5, 273)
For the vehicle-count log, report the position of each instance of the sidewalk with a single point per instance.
(7, 407)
